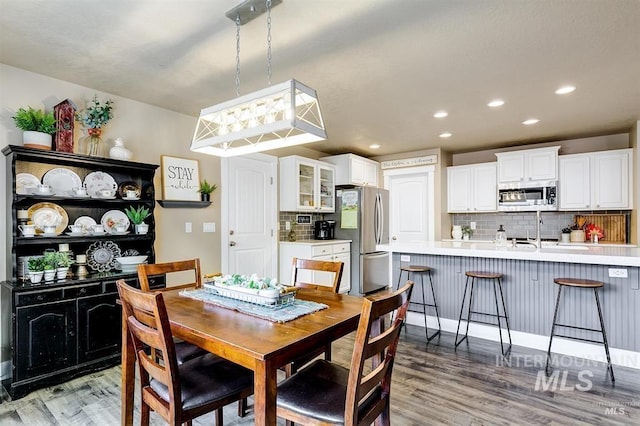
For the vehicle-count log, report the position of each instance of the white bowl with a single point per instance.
(131, 260)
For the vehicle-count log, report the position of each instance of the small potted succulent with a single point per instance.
(35, 265)
(50, 260)
(206, 189)
(467, 232)
(38, 126)
(137, 217)
(64, 262)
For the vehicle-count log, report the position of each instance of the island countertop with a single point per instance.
(600, 254)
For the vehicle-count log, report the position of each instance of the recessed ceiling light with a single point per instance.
(374, 146)
(446, 135)
(530, 121)
(440, 114)
(565, 89)
(496, 103)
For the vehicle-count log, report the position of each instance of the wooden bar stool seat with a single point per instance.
(580, 283)
(496, 279)
(420, 269)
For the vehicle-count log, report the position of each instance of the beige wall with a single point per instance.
(148, 132)
(635, 215)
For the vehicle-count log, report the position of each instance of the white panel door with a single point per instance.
(249, 237)
(411, 204)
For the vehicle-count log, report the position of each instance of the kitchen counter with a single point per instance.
(580, 253)
(314, 242)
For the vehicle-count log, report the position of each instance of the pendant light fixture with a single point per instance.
(278, 116)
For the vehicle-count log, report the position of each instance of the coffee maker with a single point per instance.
(324, 229)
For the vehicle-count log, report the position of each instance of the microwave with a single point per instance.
(528, 196)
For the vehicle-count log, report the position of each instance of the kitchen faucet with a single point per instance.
(537, 242)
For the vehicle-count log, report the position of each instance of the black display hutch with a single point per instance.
(63, 329)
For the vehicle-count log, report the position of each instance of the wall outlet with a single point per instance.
(209, 227)
(187, 227)
(472, 225)
(405, 258)
(287, 225)
(618, 273)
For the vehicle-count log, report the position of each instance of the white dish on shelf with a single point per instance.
(48, 214)
(34, 191)
(53, 234)
(75, 234)
(131, 198)
(73, 195)
(61, 180)
(112, 218)
(25, 182)
(86, 222)
(97, 234)
(131, 260)
(95, 182)
(119, 233)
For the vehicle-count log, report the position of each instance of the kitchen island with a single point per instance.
(530, 292)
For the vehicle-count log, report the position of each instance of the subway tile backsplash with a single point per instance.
(518, 223)
(303, 231)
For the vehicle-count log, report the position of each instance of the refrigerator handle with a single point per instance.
(378, 218)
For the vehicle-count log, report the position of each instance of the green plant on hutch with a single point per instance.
(137, 217)
(38, 126)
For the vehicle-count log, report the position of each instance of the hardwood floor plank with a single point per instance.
(433, 384)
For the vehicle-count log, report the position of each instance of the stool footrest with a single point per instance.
(487, 314)
(579, 338)
(481, 322)
(578, 328)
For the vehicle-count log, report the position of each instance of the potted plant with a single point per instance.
(577, 230)
(38, 127)
(137, 217)
(64, 262)
(566, 235)
(35, 265)
(96, 115)
(50, 261)
(206, 189)
(467, 232)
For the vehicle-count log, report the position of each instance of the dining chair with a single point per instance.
(184, 351)
(314, 266)
(178, 393)
(325, 393)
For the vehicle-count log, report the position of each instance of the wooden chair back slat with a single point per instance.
(319, 266)
(147, 270)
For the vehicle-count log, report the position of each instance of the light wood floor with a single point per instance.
(432, 384)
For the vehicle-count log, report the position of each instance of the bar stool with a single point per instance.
(496, 278)
(580, 283)
(418, 269)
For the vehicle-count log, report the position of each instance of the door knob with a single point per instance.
(394, 238)
(232, 243)
(231, 232)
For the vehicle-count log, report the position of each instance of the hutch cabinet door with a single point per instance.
(99, 327)
(45, 339)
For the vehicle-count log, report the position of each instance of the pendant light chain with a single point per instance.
(238, 55)
(269, 41)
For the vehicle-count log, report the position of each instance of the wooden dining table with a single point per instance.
(257, 344)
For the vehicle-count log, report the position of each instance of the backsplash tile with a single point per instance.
(518, 223)
(303, 231)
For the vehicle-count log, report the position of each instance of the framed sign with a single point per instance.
(180, 179)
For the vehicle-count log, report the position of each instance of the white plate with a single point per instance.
(72, 195)
(25, 182)
(131, 260)
(97, 197)
(119, 233)
(49, 235)
(48, 214)
(97, 181)
(97, 234)
(61, 180)
(101, 255)
(74, 234)
(86, 222)
(131, 198)
(34, 191)
(113, 217)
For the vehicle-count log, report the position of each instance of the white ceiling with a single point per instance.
(381, 68)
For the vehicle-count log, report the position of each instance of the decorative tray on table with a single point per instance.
(252, 289)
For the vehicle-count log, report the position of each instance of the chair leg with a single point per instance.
(553, 329)
(464, 297)
(242, 407)
(604, 336)
(218, 414)
(144, 414)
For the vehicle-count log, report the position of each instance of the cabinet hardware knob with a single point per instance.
(394, 238)
(230, 231)
(232, 243)
(40, 297)
(83, 290)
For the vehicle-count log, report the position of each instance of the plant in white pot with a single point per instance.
(38, 127)
(50, 260)
(137, 217)
(64, 262)
(35, 265)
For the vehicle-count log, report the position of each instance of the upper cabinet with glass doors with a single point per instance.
(306, 185)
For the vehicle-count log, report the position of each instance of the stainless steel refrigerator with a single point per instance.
(362, 216)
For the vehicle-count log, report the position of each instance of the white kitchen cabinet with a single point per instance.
(306, 185)
(528, 165)
(596, 181)
(354, 170)
(327, 250)
(472, 188)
